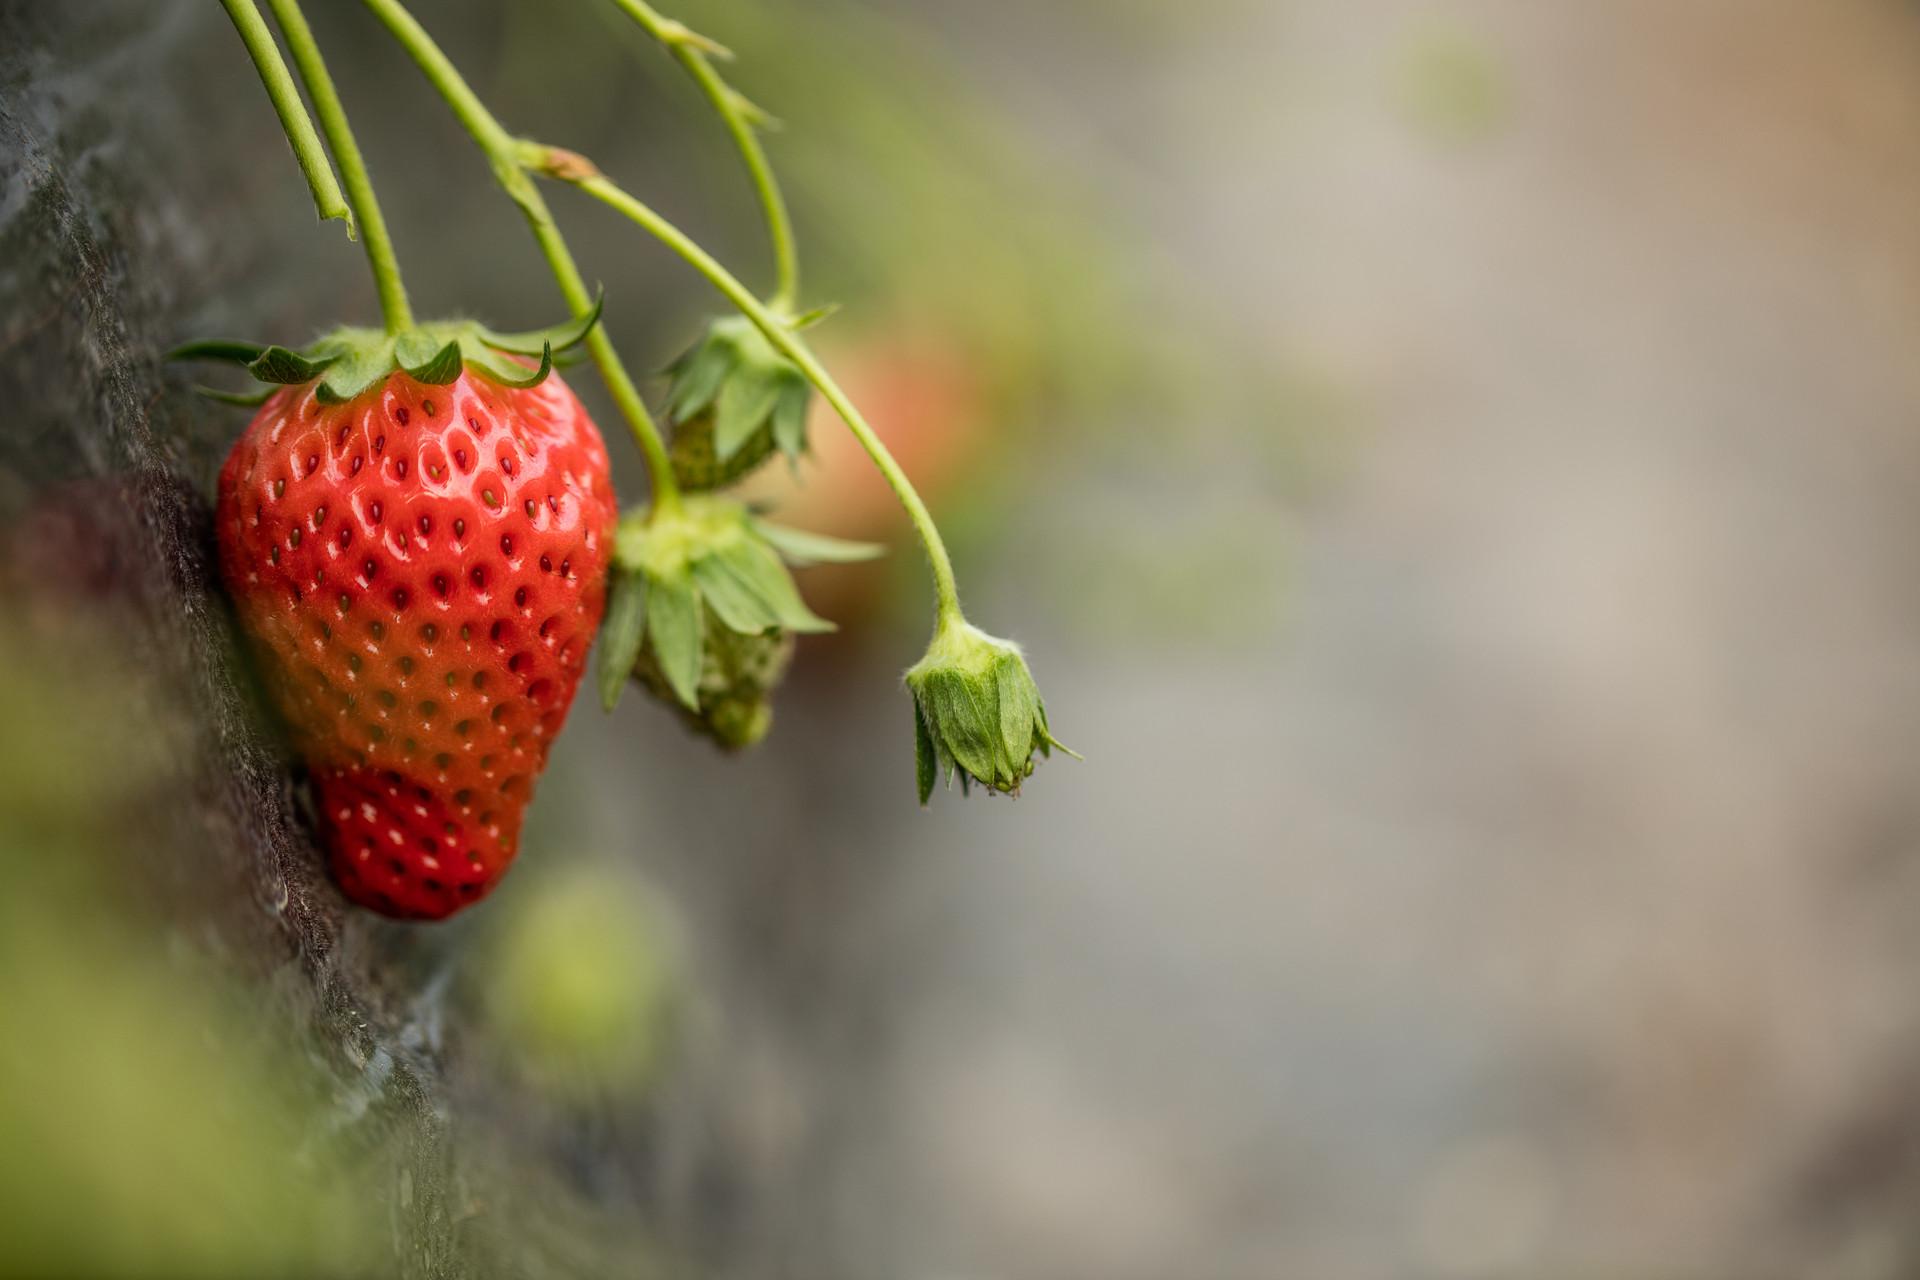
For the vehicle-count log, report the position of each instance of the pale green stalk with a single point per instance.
(294, 120)
(353, 169)
(502, 151)
(695, 53)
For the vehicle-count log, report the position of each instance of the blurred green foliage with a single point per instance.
(581, 984)
(1452, 84)
(146, 1128)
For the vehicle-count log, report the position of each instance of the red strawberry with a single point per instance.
(421, 571)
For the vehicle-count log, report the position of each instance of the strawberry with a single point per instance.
(419, 566)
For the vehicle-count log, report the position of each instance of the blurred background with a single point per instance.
(1454, 466)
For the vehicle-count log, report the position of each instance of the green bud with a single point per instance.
(977, 712)
(732, 402)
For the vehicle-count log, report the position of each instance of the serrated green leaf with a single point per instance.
(790, 417)
(288, 368)
(673, 621)
(218, 349)
(803, 548)
(759, 571)
(742, 408)
(622, 634)
(698, 377)
(415, 354)
(560, 337)
(737, 605)
(926, 765)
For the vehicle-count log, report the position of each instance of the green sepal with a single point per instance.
(697, 378)
(673, 618)
(245, 399)
(560, 337)
(752, 591)
(440, 368)
(799, 547)
(347, 363)
(807, 319)
(1017, 715)
(288, 368)
(504, 372)
(760, 571)
(926, 764)
(757, 399)
(358, 369)
(218, 349)
(738, 606)
(622, 634)
(744, 403)
(790, 417)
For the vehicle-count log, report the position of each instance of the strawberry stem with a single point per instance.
(394, 310)
(294, 120)
(515, 159)
(780, 333)
(696, 55)
(501, 148)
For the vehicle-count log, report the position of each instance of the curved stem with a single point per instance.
(353, 169)
(696, 54)
(576, 169)
(294, 120)
(501, 149)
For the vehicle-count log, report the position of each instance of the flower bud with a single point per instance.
(977, 712)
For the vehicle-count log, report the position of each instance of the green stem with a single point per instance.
(353, 169)
(502, 152)
(575, 169)
(294, 120)
(695, 54)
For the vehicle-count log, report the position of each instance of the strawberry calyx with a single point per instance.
(732, 400)
(687, 586)
(350, 361)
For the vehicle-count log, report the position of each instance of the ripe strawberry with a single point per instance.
(421, 570)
